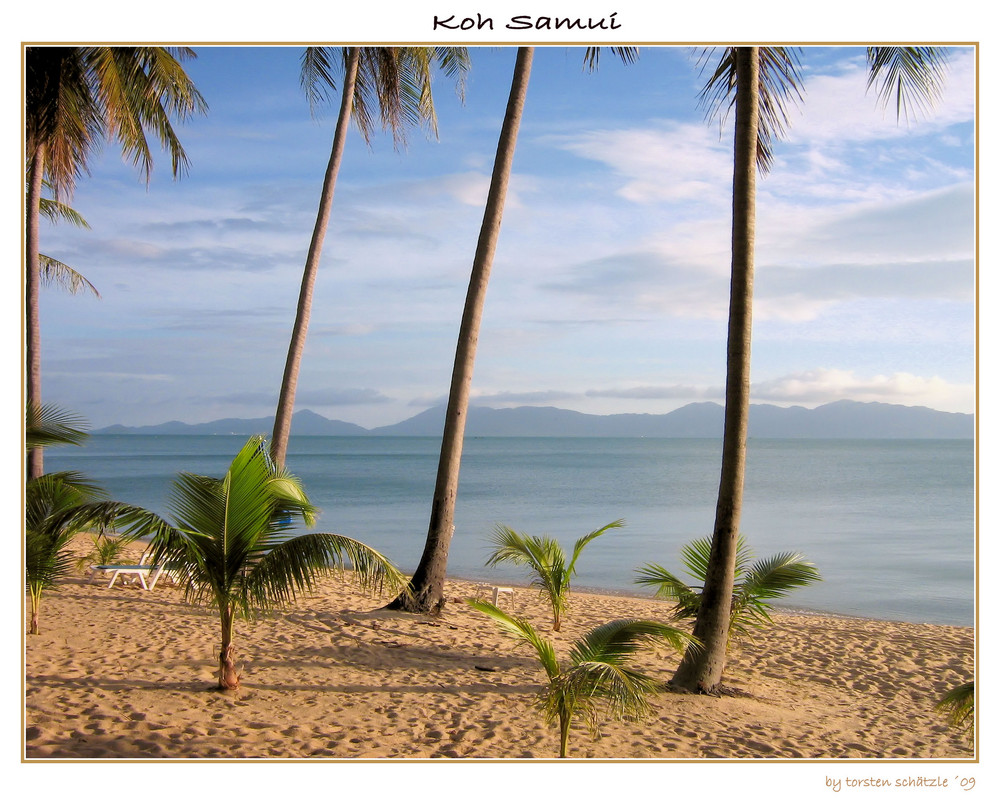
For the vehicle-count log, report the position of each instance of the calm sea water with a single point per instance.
(890, 524)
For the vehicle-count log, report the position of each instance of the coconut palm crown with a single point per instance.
(757, 583)
(232, 544)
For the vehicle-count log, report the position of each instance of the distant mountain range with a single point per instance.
(838, 420)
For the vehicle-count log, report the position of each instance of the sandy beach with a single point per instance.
(129, 673)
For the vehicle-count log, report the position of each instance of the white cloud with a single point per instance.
(823, 385)
(675, 162)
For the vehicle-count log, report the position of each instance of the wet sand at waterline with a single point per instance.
(128, 673)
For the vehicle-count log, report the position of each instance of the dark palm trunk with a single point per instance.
(426, 590)
(296, 348)
(701, 670)
(32, 283)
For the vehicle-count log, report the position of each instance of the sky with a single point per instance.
(609, 290)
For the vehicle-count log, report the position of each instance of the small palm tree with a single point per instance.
(757, 583)
(598, 680)
(58, 506)
(231, 543)
(960, 705)
(55, 511)
(107, 550)
(547, 561)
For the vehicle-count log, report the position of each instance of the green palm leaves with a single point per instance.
(51, 519)
(960, 705)
(598, 679)
(231, 541)
(757, 584)
(546, 559)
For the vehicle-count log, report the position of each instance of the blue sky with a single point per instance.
(610, 284)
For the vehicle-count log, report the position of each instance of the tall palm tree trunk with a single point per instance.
(228, 678)
(701, 670)
(426, 589)
(296, 347)
(32, 314)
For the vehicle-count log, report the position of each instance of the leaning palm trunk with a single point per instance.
(702, 670)
(296, 347)
(32, 283)
(427, 585)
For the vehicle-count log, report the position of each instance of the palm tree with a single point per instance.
(756, 584)
(231, 542)
(54, 513)
(598, 672)
(547, 561)
(426, 590)
(397, 80)
(75, 99)
(758, 82)
(58, 506)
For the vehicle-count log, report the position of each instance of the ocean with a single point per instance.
(890, 524)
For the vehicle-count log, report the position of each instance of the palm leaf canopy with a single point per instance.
(695, 555)
(914, 76)
(393, 84)
(77, 97)
(780, 82)
(232, 537)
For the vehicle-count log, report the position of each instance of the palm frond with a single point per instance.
(294, 564)
(49, 425)
(54, 272)
(670, 588)
(596, 689)
(137, 89)
(587, 539)
(960, 705)
(57, 508)
(592, 56)
(317, 74)
(913, 76)
(615, 642)
(55, 210)
(778, 575)
(523, 631)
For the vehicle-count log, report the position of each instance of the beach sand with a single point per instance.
(128, 673)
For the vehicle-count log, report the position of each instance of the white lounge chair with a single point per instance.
(146, 573)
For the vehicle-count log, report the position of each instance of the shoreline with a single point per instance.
(632, 594)
(127, 673)
(777, 609)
